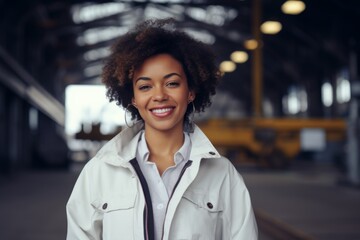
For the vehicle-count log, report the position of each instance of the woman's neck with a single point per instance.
(164, 142)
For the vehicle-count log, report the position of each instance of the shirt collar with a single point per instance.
(142, 150)
(182, 154)
(123, 147)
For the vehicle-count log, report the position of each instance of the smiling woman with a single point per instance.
(161, 93)
(161, 178)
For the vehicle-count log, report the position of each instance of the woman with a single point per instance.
(160, 178)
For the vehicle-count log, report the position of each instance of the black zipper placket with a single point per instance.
(148, 213)
(146, 222)
(187, 164)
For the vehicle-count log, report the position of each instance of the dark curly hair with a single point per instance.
(154, 37)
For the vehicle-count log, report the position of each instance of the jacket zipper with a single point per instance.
(146, 222)
(147, 198)
(187, 164)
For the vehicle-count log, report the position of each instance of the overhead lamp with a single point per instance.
(239, 56)
(94, 70)
(96, 54)
(201, 35)
(251, 44)
(271, 27)
(83, 13)
(100, 34)
(293, 7)
(227, 66)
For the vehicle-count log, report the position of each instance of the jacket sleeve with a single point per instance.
(83, 221)
(242, 219)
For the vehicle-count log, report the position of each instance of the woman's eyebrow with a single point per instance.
(165, 77)
(143, 78)
(171, 74)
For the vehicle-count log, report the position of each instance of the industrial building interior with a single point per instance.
(286, 112)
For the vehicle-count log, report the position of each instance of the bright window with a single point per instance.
(87, 105)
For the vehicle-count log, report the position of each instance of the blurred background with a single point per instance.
(286, 112)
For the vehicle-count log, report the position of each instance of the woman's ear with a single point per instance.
(191, 96)
(133, 102)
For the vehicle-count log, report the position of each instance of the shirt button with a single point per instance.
(104, 206)
(160, 206)
(209, 204)
(212, 153)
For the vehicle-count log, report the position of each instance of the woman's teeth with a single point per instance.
(161, 110)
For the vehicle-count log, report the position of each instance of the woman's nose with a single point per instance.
(160, 94)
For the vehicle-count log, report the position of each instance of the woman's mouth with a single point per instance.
(162, 112)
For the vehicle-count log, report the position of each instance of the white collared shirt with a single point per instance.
(161, 187)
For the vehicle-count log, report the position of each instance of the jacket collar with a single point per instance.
(122, 148)
(201, 146)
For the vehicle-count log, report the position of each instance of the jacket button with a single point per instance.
(209, 204)
(212, 153)
(104, 206)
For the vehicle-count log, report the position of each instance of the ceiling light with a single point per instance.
(239, 56)
(100, 34)
(271, 27)
(94, 70)
(293, 7)
(251, 44)
(96, 54)
(214, 15)
(227, 66)
(91, 12)
(201, 35)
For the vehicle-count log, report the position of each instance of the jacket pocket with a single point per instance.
(114, 203)
(207, 201)
(118, 216)
(198, 216)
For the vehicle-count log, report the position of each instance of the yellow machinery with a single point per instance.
(267, 141)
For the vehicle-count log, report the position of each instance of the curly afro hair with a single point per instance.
(154, 37)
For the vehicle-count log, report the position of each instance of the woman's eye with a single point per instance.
(144, 87)
(173, 84)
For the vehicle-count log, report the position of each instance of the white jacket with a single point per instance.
(209, 202)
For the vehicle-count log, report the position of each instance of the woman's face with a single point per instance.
(161, 93)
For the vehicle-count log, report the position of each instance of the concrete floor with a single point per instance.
(32, 205)
(307, 200)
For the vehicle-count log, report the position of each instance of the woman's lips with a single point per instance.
(162, 112)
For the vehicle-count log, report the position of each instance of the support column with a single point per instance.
(353, 124)
(257, 62)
